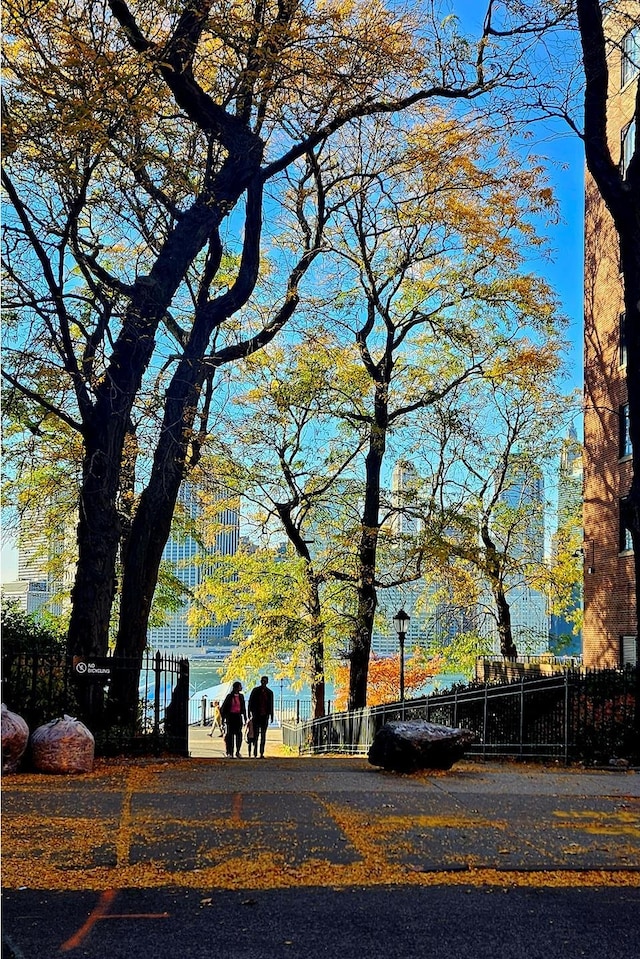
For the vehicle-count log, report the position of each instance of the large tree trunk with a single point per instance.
(151, 524)
(505, 634)
(151, 528)
(503, 610)
(316, 652)
(99, 526)
(367, 599)
(99, 530)
(106, 429)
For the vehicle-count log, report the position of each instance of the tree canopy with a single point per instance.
(173, 177)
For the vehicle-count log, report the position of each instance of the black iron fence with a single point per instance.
(578, 715)
(45, 685)
(285, 710)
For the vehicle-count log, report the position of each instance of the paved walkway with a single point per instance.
(318, 822)
(204, 746)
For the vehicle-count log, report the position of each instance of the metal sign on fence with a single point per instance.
(96, 668)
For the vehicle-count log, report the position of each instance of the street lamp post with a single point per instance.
(401, 624)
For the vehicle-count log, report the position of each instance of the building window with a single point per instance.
(622, 337)
(630, 55)
(627, 146)
(625, 439)
(628, 651)
(626, 543)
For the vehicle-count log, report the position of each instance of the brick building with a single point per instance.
(609, 590)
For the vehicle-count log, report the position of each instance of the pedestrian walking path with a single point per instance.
(324, 821)
(204, 746)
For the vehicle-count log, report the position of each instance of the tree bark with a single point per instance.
(503, 610)
(367, 599)
(316, 651)
(106, 427)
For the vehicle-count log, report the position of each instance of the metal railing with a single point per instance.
(576, 715)
(40, 686)
(285, 711)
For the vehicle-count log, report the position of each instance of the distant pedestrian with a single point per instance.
(261, 710)
(217, 722)
(234, 714)
(252, 736)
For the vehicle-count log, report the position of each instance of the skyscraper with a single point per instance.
(562, 639)
(46, 557)
(190, 561)
(403, 494)
(529, 618)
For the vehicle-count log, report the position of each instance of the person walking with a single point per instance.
(217, 722)
(234, 715)
(261, 710)
(252, 736)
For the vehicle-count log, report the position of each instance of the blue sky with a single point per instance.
(565, 270)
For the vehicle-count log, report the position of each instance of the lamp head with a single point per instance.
(401, 621)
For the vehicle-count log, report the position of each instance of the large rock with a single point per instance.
(407, 745)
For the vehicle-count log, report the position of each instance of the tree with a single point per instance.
(266, 592)
(140, 141)
(283, 455)
(491, 453)
(428, 289)
(157, 138)
(433, 294)
(384, 681)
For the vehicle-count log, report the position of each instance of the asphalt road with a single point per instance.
(324, 857)
(439, 922)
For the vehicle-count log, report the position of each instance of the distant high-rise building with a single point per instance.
(404, 522)
(562, 639)
(432, 623)
(529, 617)
(570, 476)
(610, 624)
(46, 557)
(390, 601)
(190, 562)
(403, 494)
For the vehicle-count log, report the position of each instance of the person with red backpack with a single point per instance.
(234, 714)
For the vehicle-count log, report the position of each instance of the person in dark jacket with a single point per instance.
(261, 710)
(234, 714)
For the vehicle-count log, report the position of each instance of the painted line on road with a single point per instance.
(99, 914)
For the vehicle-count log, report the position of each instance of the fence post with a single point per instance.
(203, 711)
(521, 714)
(566, 717)
(183, 684)
(297, 710)
(484, 719)
(156, 694)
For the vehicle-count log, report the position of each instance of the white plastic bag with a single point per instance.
(63, 746)
(15, 736)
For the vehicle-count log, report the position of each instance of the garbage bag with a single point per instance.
(63, 746)
(15, 736)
